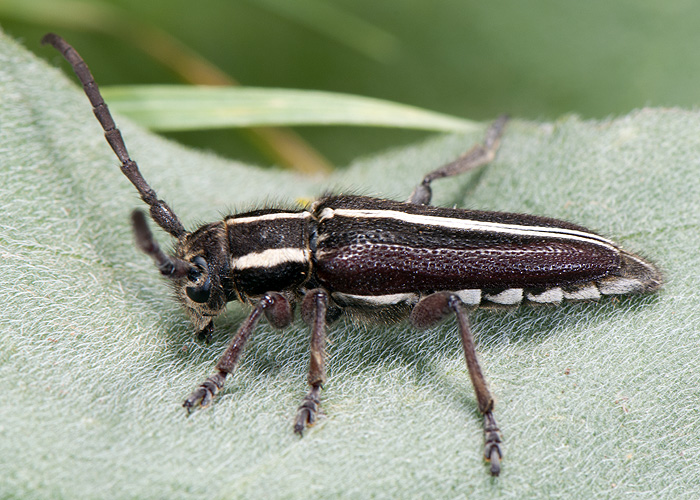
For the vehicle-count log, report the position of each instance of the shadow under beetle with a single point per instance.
(370, 257)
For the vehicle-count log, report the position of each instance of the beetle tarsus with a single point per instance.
(492, 448)
(308, 410)
(202, 396)
(495, 462)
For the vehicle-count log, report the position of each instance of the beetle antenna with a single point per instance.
(168, 266)
(161, 213)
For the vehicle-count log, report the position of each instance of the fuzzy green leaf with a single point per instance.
(594, 400)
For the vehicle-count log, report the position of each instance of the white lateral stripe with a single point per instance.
(587, 292)
(471, 225)
(507, 297)
(276, 216)
(471, 297)
(619, 286)
(270, 258)
(551, 296)
(378, 300)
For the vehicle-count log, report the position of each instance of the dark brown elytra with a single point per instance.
(370, 258)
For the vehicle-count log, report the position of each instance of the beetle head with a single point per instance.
(198, 269)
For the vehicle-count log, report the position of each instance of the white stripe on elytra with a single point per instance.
(268, 217)
(270, 258)
(471, 225)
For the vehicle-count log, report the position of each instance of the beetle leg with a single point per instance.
(492, 436)
(429, 311)
(475, 157)
(313, 311)
(271, 303)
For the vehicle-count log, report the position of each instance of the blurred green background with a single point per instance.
(474, 59)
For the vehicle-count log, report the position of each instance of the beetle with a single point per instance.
(370, 258)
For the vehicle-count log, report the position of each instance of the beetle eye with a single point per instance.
(194, 274)
(199, 294)
(200, 266)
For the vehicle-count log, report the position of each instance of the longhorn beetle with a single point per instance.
(369, 257)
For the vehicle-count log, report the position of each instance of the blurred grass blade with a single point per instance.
(181, 107)
(338, 24)
(100, 17)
